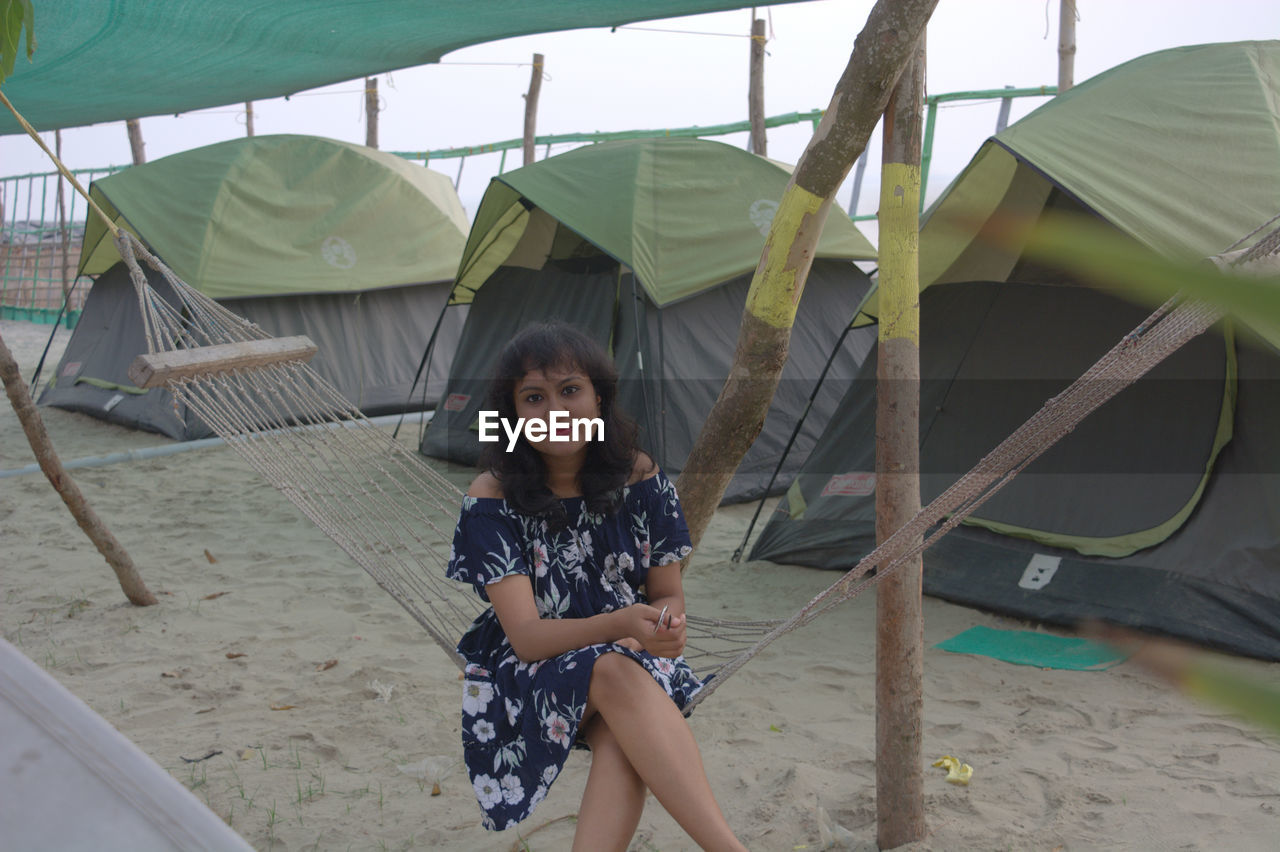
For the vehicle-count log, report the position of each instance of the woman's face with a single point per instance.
(559, 397)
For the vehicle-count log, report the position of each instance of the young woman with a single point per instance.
(577, 545)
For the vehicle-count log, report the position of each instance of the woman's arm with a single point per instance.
(534, 638)
(665, 589)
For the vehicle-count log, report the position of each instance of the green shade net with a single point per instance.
(683, 214)
(109, 60)
(268, 215)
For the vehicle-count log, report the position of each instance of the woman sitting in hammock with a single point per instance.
(577, 545)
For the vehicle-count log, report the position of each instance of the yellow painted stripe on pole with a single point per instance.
(899, 252)
(773, 296)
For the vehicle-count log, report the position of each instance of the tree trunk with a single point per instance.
(899, 614)
(371, 112)
(1066, 44)
(531, 109)
(248, 118)
(136, 145)
(755, 90)
(134, 589)
(883, 48)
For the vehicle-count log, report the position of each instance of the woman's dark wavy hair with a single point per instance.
(522, 472)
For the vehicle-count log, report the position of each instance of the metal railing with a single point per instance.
(42, 220)
(41, 227)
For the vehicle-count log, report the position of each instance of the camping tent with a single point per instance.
(649, 245)
(350, 246)
(1161, 510)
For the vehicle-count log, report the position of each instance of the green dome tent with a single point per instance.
(348, 245)
(649, 245)
(1161, 510)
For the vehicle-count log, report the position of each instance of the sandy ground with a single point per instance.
(254, 600)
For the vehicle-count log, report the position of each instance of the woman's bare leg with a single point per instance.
(614, 797)
(657, 742)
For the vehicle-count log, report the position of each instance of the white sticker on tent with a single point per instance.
(761, 214)
(1040, 571)
(113, 402)
(338, 253)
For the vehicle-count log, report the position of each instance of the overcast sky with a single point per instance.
(692, 71)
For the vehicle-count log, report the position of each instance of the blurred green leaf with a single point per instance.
(15, 16)
(1105, 258)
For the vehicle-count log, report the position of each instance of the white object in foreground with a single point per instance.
(70, 781)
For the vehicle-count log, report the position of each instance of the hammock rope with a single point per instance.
(391, 512)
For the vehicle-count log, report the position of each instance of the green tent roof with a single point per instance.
(684, 214)
(110, 61)
(1179, 149)
(267, 215)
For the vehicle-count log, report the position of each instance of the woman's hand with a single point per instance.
(640, 624)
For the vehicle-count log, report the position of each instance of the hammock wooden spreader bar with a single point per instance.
(157, 370)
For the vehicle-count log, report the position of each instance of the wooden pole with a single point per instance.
(1066, 44)
(899, 613)
(531, 108)
(248, 118)
(130, 581)
(371, 112)
(136, 145)
(755, 89)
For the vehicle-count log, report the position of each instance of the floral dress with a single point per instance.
(520, 720)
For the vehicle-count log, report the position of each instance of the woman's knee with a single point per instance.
(614, 674)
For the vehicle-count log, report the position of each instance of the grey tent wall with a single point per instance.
(681, 379)
(510, 299)
(366, 344)
(1215, 580)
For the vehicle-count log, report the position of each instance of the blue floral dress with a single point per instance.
(520, 720)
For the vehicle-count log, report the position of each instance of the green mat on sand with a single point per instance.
(1027, 648)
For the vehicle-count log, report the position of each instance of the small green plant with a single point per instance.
(271, 824)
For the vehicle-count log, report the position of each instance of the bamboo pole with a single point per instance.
(531, 108)
(136, 145)
(755, 89)
(371, 112)
(1066, 44)
(248, 118)
(899, 611)
(130, 581)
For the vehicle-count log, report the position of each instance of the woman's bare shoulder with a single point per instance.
(644, 468)
(486, 485)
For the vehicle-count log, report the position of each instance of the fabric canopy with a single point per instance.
(683, 214)
(1179, 149)
(269, 215)
(99, 61)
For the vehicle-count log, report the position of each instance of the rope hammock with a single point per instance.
(394, 514)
